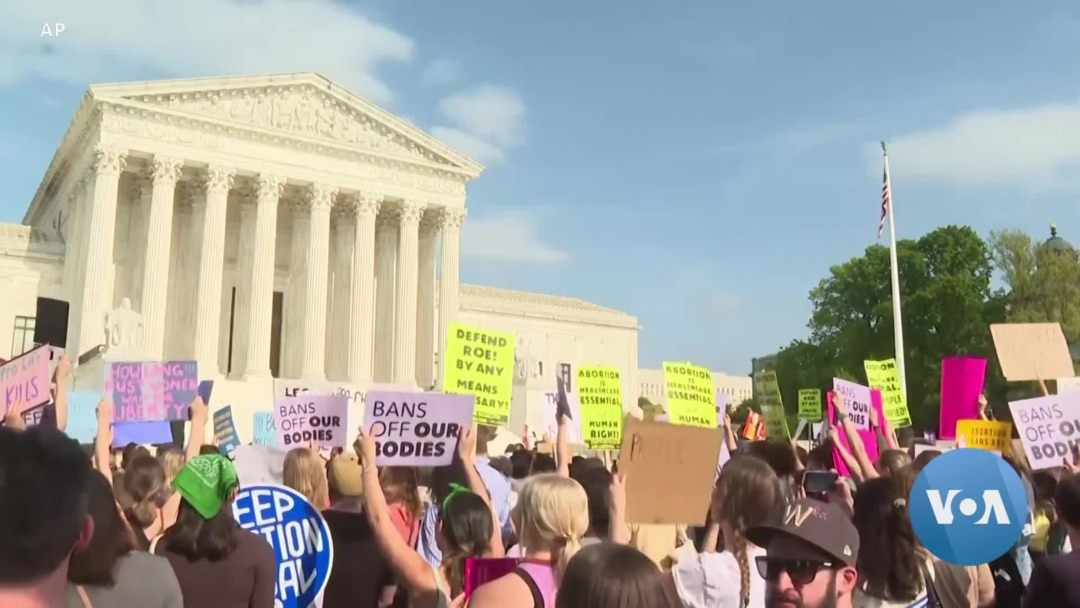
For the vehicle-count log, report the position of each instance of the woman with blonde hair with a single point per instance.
(305, 471)
(551, 516)
(172, 460)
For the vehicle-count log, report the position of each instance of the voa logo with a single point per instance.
(968, 507)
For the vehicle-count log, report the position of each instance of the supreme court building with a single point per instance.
(275, 226)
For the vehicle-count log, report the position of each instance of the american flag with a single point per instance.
(886, 200)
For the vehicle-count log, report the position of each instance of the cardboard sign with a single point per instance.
(416, 429)
(1032, 351)
(669, 471)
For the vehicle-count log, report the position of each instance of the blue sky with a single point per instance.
(697, 164)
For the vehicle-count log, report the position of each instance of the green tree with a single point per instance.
(947, 305)
(1042, 280)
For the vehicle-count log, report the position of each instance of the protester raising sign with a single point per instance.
(856, 402)
(416, 429)
(480, 362)
(300, 538)
(225, 430)
(1049, 427)
(310, 418)
(25, 380)
(146, 391)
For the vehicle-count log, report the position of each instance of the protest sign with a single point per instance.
(551, 409)
(26, 379)
(884, 376)
(601, 405)
(810, 404)
(480, 362)
(1065, 385)
(767, 393)
(300, 538)
(723, 404)
(867, 436)
(310, 418)
(990, 435)
(82, 415)
(142, 433)
(1032, 351)
(669, 471)
(1049, 427)
(263, 430)
(152, 390)
(225, 430)
(416, 429)
(856, 398)
(961, 384)
(691, 394)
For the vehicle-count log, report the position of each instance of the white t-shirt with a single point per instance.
(861, 600)
(712, 580)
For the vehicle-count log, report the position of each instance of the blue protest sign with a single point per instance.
(300, 538)
(225, 430)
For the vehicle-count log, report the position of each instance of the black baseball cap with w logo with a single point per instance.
(824, 527)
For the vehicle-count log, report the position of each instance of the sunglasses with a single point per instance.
(801, 571)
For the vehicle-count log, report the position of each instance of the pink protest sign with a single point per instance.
(869, 440)
(961, 384)
(148, 391)
(311, 418)
(25, 379)
(416, 429)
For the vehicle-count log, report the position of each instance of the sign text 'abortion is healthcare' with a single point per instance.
(149, 391)
(300, 538)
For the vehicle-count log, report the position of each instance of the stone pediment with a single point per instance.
(301, 104)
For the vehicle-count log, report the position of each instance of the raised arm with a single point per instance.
(63, 381)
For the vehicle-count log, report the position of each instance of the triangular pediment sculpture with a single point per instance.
(306, 105)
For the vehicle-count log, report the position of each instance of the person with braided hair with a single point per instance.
(748, 494)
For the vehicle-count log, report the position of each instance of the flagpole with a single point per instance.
(898, 325)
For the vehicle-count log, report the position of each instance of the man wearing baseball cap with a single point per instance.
(810, 557)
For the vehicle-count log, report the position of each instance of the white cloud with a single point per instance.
(442, 72)
(470, 145)
(486, 118)
(161, 38)
(508, 238)
(1032, 147)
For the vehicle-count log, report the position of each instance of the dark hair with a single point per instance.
(141, 491)
(777, 454)
(43, 482)
(597, 484)
(131, 452)
(544, 463)
(579, 465)
(207, 449)
(890, 557)
(612, 575)
(467, 526)
(502, 465)
(820, 457)
(197, 538)
(521, 463)
(96, 564)
(399, 486)
(1067, 500)
(891, 461)
(1044, 483)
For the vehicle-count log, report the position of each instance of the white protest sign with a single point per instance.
(856, 402)
(1049, 427)
(551, 408)
(416, 429)
(1068, 385)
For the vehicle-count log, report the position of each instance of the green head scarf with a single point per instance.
(206, 483)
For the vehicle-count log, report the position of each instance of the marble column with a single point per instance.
(425, 301)
(338, 337)
(165, 172)
(449, 276)
(107, 165)
(362, 332)
(386, 240)
(261, 298)
(142, 193)
(405, 298)
(245, 249)
(319, 198)
(293, 326)
(74, 241)
(216, 183)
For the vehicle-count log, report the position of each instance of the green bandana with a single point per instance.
(206, 482)
(455, 489)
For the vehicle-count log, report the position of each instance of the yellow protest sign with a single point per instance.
(480, 362)
(691, 395)
(600, 395)
(810, 404)
(767, 395)
(884, 376)
(993, 435)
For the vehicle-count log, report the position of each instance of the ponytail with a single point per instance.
(560, 557)
(454, 563)
(739, 550)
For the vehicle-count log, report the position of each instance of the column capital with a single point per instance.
(186, 194)
(320, 196)
(108, 160)
(269, 188)
(388, 218)
(296, 203)
(430, 223)
(452, 219)
(217, 178)
(368, 204)
(409, 212)
(165, 170)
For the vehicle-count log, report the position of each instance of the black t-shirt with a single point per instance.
(1055, 581)
(360, 573)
